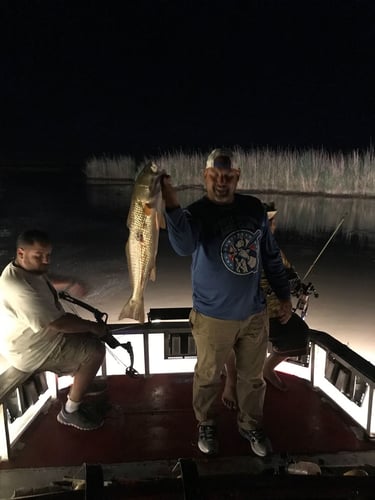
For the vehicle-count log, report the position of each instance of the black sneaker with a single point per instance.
(78, 420)
(207, 440)
(259, 442)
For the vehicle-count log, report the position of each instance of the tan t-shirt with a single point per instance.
(27, 306)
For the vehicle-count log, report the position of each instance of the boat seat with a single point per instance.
(23, 395)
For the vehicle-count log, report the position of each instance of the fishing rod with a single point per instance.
(325, 246)
(303, 291)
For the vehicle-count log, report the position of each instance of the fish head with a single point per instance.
(147, 185)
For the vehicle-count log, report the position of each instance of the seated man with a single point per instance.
(38, 335)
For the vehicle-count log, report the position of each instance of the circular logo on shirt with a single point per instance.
(240, 252)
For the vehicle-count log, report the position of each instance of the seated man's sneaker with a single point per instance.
(78, 420)
(207, 440)
(259, 442)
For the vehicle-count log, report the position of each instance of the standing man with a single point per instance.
(38, 335)
(287, 340)
(228, 237)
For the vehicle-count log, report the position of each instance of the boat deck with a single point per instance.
(151, 418)
(149, 427)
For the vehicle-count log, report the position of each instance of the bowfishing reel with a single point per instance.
(302, 292)
(110, 340)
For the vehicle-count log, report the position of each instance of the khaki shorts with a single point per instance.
(76, 349)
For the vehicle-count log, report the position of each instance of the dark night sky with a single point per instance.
(81, 78)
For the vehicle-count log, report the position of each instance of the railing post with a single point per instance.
(369, 412)
(146, 351)
(4, 433)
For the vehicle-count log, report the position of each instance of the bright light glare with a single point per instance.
(118, 359)
(357, 413)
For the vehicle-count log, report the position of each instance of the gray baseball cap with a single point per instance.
(220, 158)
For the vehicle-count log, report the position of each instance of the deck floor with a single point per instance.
(151, 418)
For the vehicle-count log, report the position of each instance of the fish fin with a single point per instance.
(147, 209)
(134, 309)
(161, 221)
(153, 274)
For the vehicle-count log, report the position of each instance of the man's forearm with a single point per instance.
(71, 285)
(180, 232)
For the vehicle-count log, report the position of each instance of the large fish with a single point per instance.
(144, 221)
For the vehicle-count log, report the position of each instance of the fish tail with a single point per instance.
(134, 309)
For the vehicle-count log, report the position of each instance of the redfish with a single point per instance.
(144, 221)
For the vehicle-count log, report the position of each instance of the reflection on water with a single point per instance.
(303, 214)
(309, 215)
(87, 223)
(114, 197)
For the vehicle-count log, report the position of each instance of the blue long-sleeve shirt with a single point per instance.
(229, 245)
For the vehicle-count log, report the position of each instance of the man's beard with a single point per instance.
(223, 196)
(39, 272)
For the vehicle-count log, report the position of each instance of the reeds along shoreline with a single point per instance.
(310, 171)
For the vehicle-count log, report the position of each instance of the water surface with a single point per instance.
(88, 225)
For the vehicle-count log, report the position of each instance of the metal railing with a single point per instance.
(343, 375)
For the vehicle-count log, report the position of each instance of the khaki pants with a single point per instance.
(214, 339)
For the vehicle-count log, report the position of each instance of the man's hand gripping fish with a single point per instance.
(144, 221)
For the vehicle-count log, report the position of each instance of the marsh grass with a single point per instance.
(122, 168)
(262, 170)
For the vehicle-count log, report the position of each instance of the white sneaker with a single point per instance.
(259, 442)
(207, 440)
